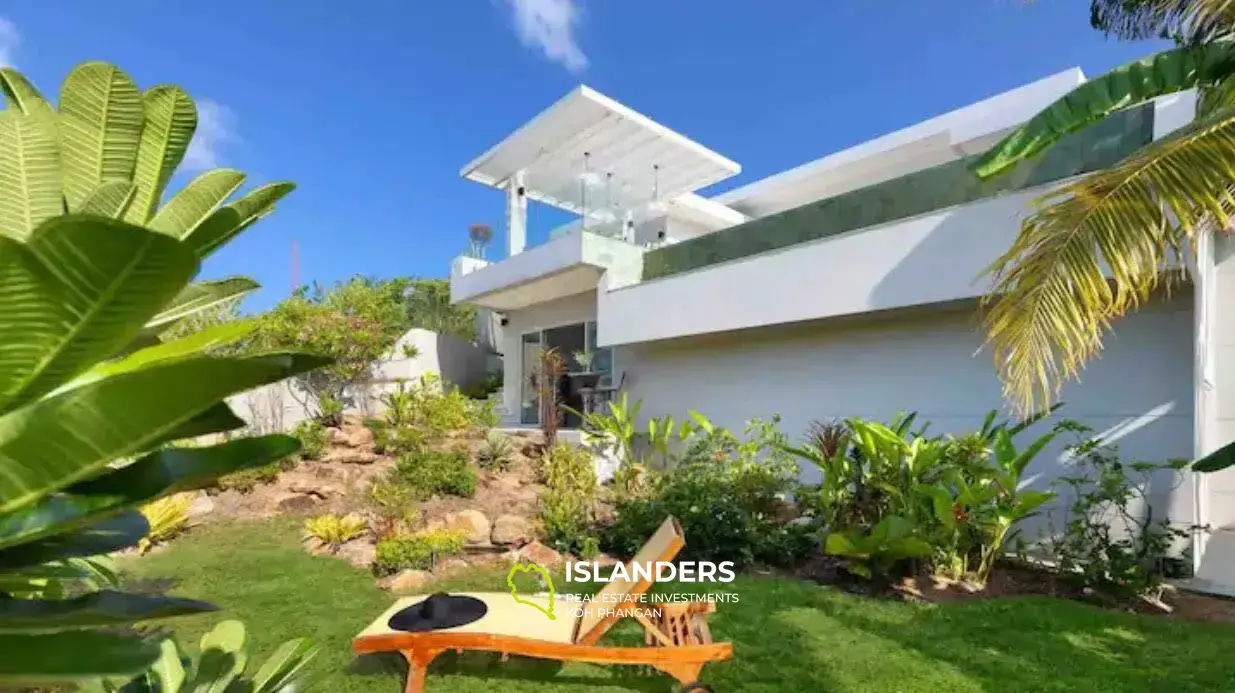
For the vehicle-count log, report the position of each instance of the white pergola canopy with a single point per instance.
(592, 156)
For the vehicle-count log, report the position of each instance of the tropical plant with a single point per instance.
(419, 551)
(549, 371)
(1096, 248)
(867, 554)
(728, 492)
(615, 425)
(335, 530)
(89, 394)
(497, 452)
(960, 494)
(1112, 540)
(222, 664)
(167, 517)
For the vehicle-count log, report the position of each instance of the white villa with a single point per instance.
(846, 286)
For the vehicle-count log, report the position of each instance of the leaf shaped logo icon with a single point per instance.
(514, 591)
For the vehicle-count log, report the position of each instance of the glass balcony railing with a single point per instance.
(922, 192)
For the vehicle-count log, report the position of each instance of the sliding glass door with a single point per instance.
(571, 341)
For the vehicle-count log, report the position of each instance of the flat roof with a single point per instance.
(628, 158)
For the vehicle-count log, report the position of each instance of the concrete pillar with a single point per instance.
(516, 215)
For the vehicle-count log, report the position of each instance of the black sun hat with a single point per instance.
(438, 612)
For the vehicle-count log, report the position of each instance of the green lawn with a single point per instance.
(789, 636)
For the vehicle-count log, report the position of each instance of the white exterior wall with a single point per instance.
(931, 258)
(567, 311)
(1139, 393)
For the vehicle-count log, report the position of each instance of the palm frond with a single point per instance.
(1097, 248)
(1185, 21)
(1136, 82)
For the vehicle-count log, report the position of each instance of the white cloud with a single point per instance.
(216, 126)
(10, 39)
(550, 26)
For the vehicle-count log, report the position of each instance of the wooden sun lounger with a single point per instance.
(677, 642)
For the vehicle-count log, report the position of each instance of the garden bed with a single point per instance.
(1011, 581)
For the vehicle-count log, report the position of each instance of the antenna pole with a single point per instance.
(295, 265)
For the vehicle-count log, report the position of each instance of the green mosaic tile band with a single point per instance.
(946, 185)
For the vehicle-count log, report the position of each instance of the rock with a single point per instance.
(359, 438)
(511, 530)
(350, 456)
(320, 489)
(315, 546)
(450, 565)
(472, 524)
(406, 581)
(201, 506)
(360, 553)
(295, 503)
(337, 436)
(541, 555)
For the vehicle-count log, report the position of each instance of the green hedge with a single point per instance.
(946, 185)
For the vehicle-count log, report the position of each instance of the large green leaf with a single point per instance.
(153, 476)
(1217, 460)
(114, 534)
(217, 419)
(105, 608)
(77, 292)
(285, 669)
(201, 296)
(171, 118)
(110, 199)
(229, 221)
(22, 96)
(59, 657)
(195, 201)
(1167, 72)
(168, 670)
(100, 128)
(72, 435)
(190, 345)
(29, 173)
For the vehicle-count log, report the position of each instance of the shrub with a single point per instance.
(426, 411)
(394, 505)
(436, 472)
(313, 437)
(1109, 543)
(353, 322)
(496, 452)
(245, 480)
(334, 530)
(167, 516)
(727, 492)
(419, 551)
(567, 508)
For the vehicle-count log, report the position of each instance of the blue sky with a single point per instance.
(372, 107)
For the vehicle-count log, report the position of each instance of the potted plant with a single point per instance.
(584, 359)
